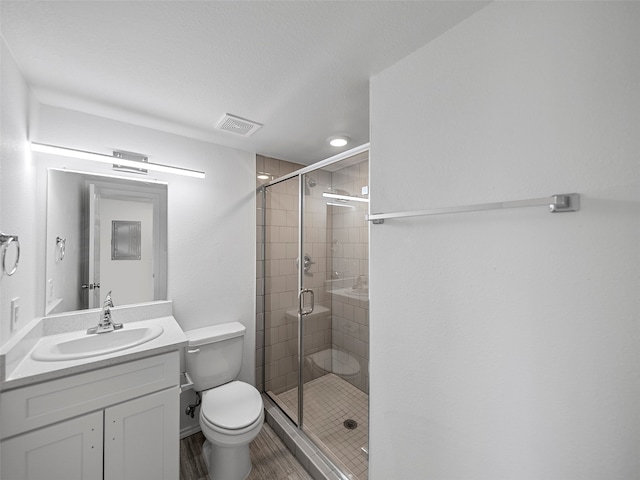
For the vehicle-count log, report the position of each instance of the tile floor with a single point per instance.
(329, 402)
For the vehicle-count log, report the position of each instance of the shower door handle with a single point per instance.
(301, 309)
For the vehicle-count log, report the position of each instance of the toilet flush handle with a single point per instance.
(193, 350)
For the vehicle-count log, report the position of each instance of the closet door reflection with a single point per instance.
(281, 286)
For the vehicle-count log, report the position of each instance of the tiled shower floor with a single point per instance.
(328, 402)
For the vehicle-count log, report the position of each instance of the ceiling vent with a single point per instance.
(240, 126)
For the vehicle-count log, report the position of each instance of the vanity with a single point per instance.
(78, 406)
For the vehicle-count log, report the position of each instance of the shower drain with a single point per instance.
(350, 424)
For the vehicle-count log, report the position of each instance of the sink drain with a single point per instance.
(350, 424)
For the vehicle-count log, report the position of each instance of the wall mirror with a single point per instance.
(89, 217)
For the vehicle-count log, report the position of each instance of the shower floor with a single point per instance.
(329, 401)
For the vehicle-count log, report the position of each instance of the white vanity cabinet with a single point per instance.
(66, 450)
(141, 438)
(117, 422)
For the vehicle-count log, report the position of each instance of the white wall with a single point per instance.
(211, 232)
(18, 183)
(211, 222)
(64, 220)
(504, 345)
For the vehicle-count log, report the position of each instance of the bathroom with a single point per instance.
(502, 344)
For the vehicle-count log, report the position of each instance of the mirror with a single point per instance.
(104, 234)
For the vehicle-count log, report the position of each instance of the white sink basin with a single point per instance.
(351, 292)
(76, 345)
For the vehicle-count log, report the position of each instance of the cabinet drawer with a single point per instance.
(35, 406)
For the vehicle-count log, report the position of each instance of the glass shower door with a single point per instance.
(281, 287)
(315, 310)
(335, 333)
(316, 306)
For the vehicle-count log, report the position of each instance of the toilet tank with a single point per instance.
(214, 354)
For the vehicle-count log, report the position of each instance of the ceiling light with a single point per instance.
(338, 140)
(263, 176)
(99, 157)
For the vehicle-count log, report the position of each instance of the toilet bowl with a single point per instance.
(231, 416)
(231, 412)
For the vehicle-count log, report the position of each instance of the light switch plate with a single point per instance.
(15, 309)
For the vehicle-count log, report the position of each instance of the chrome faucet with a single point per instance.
(105, 324)
(361, 283)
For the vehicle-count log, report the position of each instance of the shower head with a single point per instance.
(309, 183)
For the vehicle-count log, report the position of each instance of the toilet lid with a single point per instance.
(232, 406)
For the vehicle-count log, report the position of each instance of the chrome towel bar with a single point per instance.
(567, 202)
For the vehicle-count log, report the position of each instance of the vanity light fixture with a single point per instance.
(340, 205)
(338, 140)
(99, 157)
(344, 197)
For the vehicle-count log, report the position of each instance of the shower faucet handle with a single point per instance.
(307, 263)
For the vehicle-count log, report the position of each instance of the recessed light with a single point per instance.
(263, 176)
(338, 140)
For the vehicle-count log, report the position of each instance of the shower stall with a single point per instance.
(313, 302)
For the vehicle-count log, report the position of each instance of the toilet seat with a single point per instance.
(233, 406)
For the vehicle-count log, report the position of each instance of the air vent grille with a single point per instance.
(237, 125)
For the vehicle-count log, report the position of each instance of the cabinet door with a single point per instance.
(142, 438)
(66, 451)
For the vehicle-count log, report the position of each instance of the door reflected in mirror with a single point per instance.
(115, 238)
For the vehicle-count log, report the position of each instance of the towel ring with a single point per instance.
(5, 241)
(61, 244)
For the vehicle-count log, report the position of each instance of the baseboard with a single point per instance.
(188, 431)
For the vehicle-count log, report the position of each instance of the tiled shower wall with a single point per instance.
(336, 238)
(274, 168)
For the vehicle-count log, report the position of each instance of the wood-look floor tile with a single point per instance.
(270, 458)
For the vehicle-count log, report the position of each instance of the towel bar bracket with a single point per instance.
(569, 202)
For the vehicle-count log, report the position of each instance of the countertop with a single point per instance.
(18, 369)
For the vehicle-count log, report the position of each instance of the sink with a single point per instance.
(351, 292)
(362, 292)
(72, 346)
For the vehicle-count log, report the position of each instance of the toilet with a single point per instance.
(231, 412)
(338, 362)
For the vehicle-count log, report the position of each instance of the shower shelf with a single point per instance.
(567, 202)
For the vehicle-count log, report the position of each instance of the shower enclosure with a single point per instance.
(313, 251)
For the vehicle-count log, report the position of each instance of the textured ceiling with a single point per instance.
(301, 68)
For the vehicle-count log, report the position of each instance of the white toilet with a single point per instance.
(232, 412)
